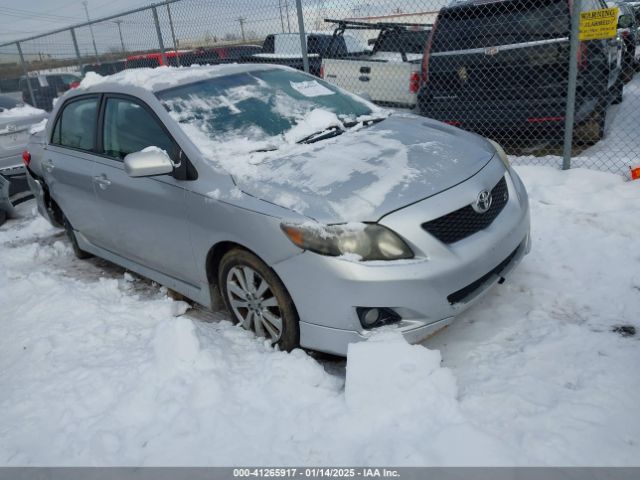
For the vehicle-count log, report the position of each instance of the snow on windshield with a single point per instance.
(261, 110)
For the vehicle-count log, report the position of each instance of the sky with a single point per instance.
(192, 20)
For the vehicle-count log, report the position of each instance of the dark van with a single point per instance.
(501, 69)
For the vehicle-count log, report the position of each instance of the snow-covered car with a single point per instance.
(16, 121)
(318, 216)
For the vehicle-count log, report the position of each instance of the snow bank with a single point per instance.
(96, 369)
(20, 111)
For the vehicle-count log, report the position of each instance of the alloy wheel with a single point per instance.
(253, 302)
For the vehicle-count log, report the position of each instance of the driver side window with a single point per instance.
(129, 127)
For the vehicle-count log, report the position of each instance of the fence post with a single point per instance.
(571, 90)
(75, 47)
(159, 33)
(303, 36)
(173, 34)
(26, 74)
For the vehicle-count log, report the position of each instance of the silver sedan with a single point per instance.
(16, 120)
(315, 216)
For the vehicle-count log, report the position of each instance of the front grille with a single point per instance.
(465, 221)
(465, 292)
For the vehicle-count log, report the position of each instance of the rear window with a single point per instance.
(408, 42)
(500, 23)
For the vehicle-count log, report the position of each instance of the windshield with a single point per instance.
(264, 106)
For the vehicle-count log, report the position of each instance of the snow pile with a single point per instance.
(98, 367)
(21, 111)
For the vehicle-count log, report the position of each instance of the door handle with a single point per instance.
(49, 165)
(102, 181)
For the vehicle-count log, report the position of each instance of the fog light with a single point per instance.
(371, 317)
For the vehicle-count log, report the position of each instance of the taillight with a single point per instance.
(414, 82)
(74, 84)
(427, 51)
(321, 71)
(26, 158)
(582, 56)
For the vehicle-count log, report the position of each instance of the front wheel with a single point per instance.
(257, 299)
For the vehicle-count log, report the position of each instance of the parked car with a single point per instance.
(285, 49)
(16, 120)
(318, 216)
(105, 68)
(227, 54)
(501, 69)
(10, 87)
(629, 31)
(151, 60)
(389, 74)
(46, 88)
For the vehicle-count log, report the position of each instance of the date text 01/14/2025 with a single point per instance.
(317, 472)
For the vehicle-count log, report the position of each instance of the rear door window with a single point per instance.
(129, 128)
(76, 125)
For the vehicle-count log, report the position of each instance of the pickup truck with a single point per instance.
(285, 49)
(389, 74)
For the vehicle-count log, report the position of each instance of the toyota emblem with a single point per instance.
(483, 202)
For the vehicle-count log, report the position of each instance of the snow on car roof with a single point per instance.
(160, 78)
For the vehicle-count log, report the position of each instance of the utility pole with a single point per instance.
(242, 20)
(173, 33)
(93, 38)
(119, 22)
(281, 17)
(286, 6)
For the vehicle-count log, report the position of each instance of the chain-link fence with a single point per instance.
(522, 72)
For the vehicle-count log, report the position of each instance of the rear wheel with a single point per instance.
(257, 300)
(618, 90)
(79, 253)
(592, 130)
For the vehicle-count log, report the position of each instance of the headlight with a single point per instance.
(368, 241)
(501, 153)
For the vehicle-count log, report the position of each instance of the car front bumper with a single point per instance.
(327, 290)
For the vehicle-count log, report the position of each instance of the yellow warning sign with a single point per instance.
(598, 24)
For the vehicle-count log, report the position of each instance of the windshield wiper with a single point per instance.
(335, 130)
(322, 135)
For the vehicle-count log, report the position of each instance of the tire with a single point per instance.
(257, 299)
(78, 252)
(628, 70)
(3, 216)
(592, 130)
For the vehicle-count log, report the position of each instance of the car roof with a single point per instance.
(165, 77)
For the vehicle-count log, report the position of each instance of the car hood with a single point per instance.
(364, 174)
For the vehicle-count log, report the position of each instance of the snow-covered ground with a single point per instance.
(98, 367)
(617, 151)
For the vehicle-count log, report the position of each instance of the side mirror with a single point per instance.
(147, 163)
(624, 21)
